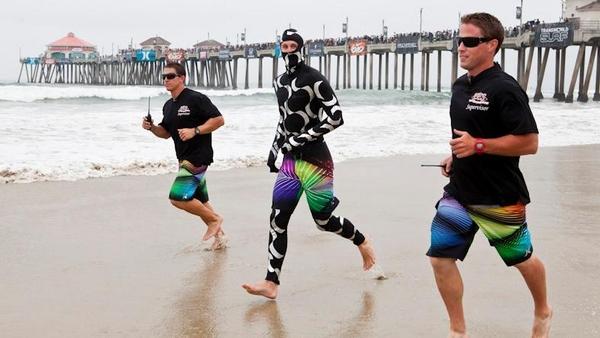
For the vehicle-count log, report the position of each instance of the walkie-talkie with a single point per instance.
(149, 117)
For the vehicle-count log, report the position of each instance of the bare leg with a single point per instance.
(212, 220)
(220, 240)
(263, 288)
(210, 207)
(450, 286)
(534, 273)
(368, 254)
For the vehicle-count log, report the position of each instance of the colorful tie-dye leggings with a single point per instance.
(297, 176)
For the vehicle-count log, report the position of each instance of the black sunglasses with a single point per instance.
(169, 76)
(471, 42)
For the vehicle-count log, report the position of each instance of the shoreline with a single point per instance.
(112, 257)
(4, 173)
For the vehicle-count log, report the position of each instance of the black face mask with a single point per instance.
(294, 58)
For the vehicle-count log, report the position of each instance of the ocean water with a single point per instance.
(78, 132)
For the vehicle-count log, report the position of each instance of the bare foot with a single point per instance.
(213, 229)
(454, 334)
(368, 254)
(263, 288)
(541, 326)
(220, 241)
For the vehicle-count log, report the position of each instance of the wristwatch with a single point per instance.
(197, 130)
(479, 146)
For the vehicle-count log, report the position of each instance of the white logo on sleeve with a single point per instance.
(479, 102)
(183, 110)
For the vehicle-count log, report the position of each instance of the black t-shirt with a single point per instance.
(189, 110)
(489, 105)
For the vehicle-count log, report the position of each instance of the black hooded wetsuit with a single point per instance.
(308, 109)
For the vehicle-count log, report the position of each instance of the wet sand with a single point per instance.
(112, 258)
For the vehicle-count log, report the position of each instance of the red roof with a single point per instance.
(70, 41)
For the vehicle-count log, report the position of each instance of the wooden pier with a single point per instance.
(213, 70)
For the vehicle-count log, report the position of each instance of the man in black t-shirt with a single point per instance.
(492, 125)
(189, 117)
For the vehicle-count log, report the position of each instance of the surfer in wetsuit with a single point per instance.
(308, 109)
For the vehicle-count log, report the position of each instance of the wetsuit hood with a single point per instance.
(294, 58)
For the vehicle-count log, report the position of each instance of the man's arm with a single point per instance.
(158, 131)
(446, 166)
(330, 117)
(277, 142)
(279, 138)
(508, 145)
(207, 127)
(211, 125)
(512, 145)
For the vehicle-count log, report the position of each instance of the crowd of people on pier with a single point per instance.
(529, 26)
(442, 35)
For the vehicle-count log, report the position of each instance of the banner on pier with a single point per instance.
(251, 52)
(554, 35)
(145, 55)
(32, 61)
(224, 54)
(277, 50)
(357, 47)
(407, 44)
(203, 55)
(316, 48)
(175, 56)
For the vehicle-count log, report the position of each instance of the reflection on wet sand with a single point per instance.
(361, 324)
(269, 312)
(114, 275)
(197, 309)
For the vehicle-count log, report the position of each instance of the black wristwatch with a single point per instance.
(197, 130)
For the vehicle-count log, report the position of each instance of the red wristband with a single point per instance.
(479, 146)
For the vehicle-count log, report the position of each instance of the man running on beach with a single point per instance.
(189, 117)
(308, 110)
(492, 126)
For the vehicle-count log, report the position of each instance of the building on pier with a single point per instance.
(209, 45)
(155, 43)
(70, 48)
(350, 63)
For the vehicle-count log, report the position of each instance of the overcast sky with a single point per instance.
(31, 25)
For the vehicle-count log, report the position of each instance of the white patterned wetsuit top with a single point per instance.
(308, 109)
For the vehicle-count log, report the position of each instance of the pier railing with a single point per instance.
(219, 69)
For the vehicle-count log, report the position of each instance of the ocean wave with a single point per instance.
(77, 171)
(41, 93)
(50, 142)
(33, 93)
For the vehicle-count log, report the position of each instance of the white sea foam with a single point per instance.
(72, 139)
